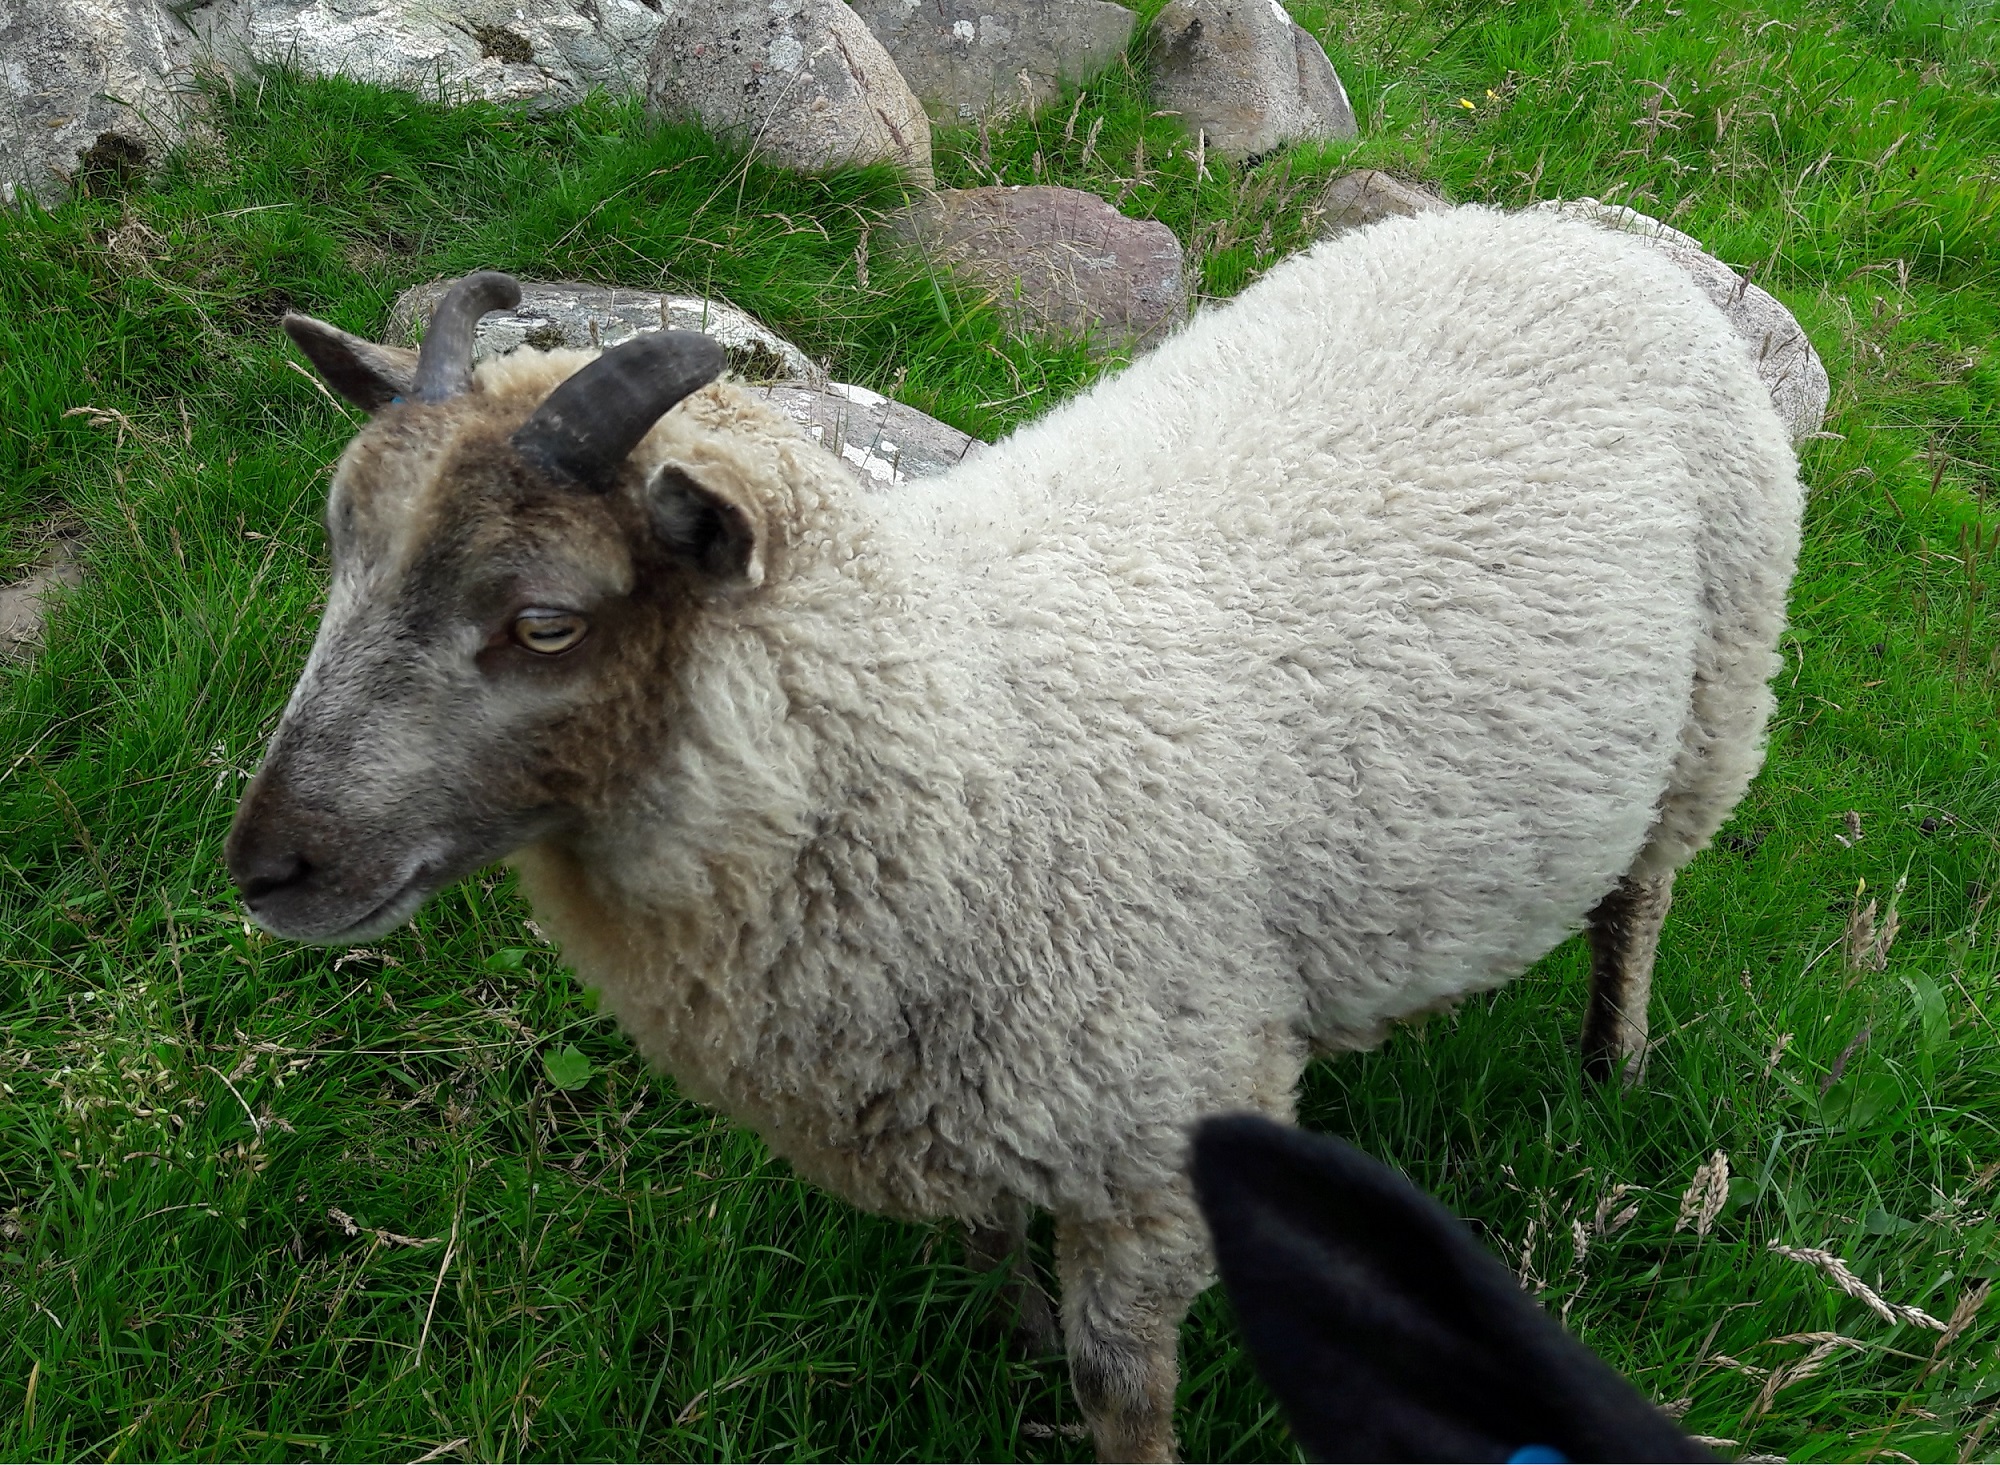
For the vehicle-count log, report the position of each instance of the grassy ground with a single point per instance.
(259, 1201)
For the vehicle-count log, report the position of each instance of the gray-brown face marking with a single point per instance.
(426, 736)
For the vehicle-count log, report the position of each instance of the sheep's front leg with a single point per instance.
(1624, 934)
(1126, 1285)
(1028, 1315)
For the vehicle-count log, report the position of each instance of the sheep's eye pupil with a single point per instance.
(549, 632)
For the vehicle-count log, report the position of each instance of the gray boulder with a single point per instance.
(1242, 73)
(1055, 261)
(802, 81)
(87, 87)
(1357, 199)
(1785, 358)
(882, 442)
(550, 52)
(564, 313)
(966, 59)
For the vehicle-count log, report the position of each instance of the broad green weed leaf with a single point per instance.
(1858, 1100)
(1879, 1222)
(567, 1067)
(1928, 1003)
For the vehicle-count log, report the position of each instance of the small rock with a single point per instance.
(965, 59)
(1243, 73)
(1354, 200)
(86, 86)
(1784, 355)
(883, 442)
(1057, 261)
(24, 605)
(802, 81)
(564, 313)
(549, 52)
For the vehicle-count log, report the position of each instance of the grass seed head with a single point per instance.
(1705, 1195)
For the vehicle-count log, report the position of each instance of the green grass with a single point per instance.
(188, 1109)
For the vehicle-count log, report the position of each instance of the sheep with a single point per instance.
(1333, 662)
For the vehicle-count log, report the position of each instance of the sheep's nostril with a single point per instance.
(279, 872)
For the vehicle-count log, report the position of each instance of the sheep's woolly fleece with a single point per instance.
(1327, 665)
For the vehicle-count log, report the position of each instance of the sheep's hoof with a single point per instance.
(1628, 1064)
(1020, 1311)
(1035, 1333)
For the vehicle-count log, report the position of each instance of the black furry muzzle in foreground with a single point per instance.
(1385, 1329)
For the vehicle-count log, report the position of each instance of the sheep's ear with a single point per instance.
(715, 533)
(368, 375)
(1385, 1329)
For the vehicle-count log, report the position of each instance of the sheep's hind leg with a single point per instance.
(1025, 1309)
(1125, 1288)
(1624, 934)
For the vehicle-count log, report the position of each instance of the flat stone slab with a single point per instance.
(1779, 346)
(1365, 196)
(1246, 76)
(24, 605)
(565, 313)
(883, 443)
(967, 59)
(1055, 261)
(802, 82)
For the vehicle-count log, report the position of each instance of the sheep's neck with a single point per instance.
(795, 861)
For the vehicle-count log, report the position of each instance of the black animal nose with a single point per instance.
(267, 873)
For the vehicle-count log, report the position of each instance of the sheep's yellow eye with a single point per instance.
(549, 631)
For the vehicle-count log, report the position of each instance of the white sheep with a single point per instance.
(968, 842)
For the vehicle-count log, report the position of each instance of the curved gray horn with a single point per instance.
(592, 421)
(444, 366)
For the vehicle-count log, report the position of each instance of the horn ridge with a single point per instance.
(444, 364)
(590, 423)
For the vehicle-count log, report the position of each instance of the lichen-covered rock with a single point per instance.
(1357, 199)
(1243, 73)
(564, 313)
(88, 88)
(550, 52)
(967, 59)
(882, 442)
(1055, 261)
(802, 81)
(1785, 358)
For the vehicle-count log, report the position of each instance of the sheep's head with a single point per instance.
(506, 571)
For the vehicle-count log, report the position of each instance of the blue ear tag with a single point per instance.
(1538, 1455)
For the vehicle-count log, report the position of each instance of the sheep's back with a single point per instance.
(1394, 576)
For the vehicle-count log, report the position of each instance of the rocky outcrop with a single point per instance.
(801, 81)
(1243, 74)
(1054, 261)
(1785, 358)
(564, 313)
(882, 442)
(550, 52)
(967, 59)
(88, 89)
(1357, 199)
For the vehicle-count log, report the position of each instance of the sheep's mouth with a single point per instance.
(401, 904)
(323, 917)
(336, 906)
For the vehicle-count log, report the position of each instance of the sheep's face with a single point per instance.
(490, 637)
